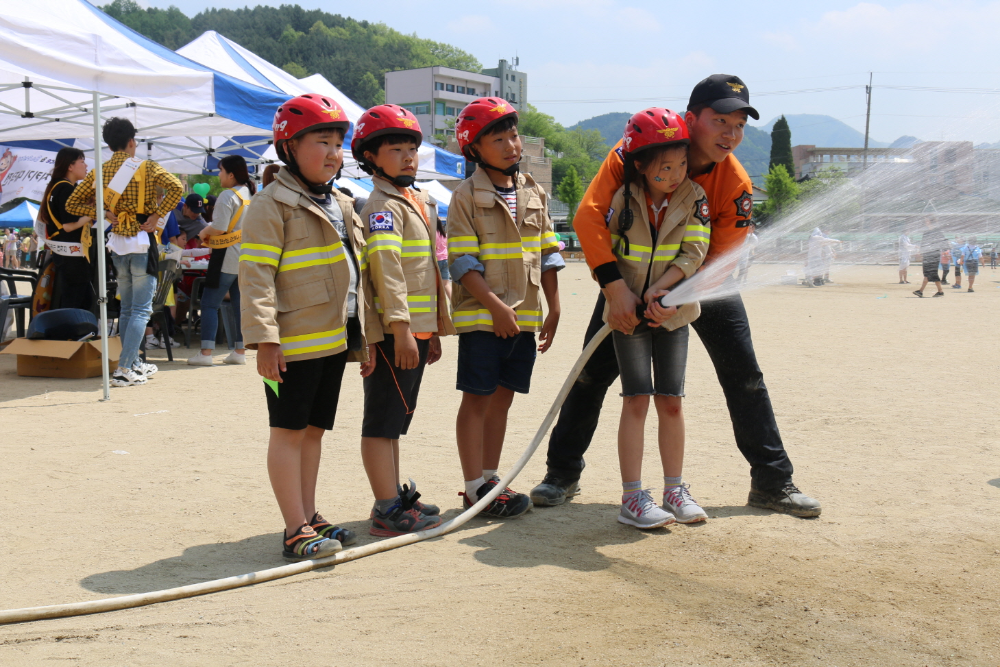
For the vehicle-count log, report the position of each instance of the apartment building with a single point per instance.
(435, 95)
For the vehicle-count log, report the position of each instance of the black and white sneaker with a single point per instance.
(508, 505)
(126, 377)
(787, 500)
(144, 369)
(554, 491)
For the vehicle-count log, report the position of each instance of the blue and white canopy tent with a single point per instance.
(22, 215)
(218, 52)
(65, 66)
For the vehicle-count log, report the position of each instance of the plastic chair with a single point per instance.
(170, 273)
(194, 308)
(15, 302)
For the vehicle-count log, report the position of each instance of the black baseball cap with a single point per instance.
(725, 93)
(194, 202)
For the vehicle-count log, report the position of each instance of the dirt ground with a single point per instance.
(887, 405)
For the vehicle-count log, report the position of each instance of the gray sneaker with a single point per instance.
(554, 491)
(678, 500)
(642, 512)
(788, 500)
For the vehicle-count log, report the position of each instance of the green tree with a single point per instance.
(782, 192)
(570, 192)
(781, 147)
(368, 92)
(441, 138)
(296, 70)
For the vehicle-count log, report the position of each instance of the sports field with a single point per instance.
(887, 405)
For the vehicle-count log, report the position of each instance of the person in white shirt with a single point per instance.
(905, 248)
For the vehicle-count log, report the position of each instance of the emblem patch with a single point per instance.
(701, 211)
(380, 221)
(668, 132)
(620, 156)
(737, 88)
(607, 218)
(744, 207)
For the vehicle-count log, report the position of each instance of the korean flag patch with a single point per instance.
(380, 221)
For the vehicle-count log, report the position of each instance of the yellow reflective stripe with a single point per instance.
(381, 242)
(416, 244)
(470, 317)
(699, 228)
(549, 240)
(702, 238)
(415, 304)
(463, 244)
(261, 253)
(531, 243)
(528, 317)
(500, 251)
(314, 342)
(306, 257)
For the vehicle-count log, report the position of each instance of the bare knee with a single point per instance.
(636, 406)
(668, 406)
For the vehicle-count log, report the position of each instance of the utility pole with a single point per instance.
(868, 117)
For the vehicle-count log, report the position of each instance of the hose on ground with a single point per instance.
(142, 599)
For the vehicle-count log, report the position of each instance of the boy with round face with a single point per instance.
(716, 116)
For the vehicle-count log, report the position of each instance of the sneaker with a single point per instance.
(235, 359)
(507, 505)
(678, 501)
(172, 342)
(400, 521)
(126, 377)
(305, 544)
(788, 500)
(325, 529)
(146, 370)
(970, 290)
(152, 342)
(410, 493)
(939, 293)
(956, 287)
(201, 360)
(554, 491)
(641, 511)
(944, 282)
(918, 293)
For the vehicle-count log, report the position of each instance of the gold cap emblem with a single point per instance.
(735, 86)
(668, 132)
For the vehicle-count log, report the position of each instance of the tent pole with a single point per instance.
(102, 267)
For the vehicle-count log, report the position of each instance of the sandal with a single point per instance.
(326, 529)
(305, 544)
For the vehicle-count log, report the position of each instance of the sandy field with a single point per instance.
(887, 405)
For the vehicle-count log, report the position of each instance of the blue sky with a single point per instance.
(587, 57)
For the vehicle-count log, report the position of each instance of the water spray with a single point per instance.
(143, 599)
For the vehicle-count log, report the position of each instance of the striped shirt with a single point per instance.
(510, 196)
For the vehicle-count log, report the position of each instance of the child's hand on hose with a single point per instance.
(368, 367)
(504, 321)
(407, 354)
(270, 361)
(434, 351)
(548, 331)
(656, 313)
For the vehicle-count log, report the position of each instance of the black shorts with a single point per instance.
(308, 393)
(390, 392)
(487, 361)
(930, 266)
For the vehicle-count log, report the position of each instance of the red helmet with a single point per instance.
(654, 127)
(477, 117)
(304, 113)
(384, 119)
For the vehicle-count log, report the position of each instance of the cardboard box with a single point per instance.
(62, 359)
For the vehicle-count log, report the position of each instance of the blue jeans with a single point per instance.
(211, 300)
(649, 349)
(136, 289)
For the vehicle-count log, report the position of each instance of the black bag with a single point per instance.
(153, 256)
(63, 324)
(215, 267)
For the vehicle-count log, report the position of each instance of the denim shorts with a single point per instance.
(648, 353)
(445, 273)
(487, 361)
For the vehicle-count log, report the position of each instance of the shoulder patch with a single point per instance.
(607, 217)
(620, 155)
(701, 211)
(744, 205)
(380, 221)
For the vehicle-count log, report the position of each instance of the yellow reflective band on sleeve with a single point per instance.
(414, 248)
(315, 342)
(301, 259)
(529, 318)
(466, 244)
(363, 259)
(382, 242)
(258, 252)
(415, 304)
(636, 252)
(666, 252)
(531, 243)
(697, 233)
(549, 240)
(501, 251)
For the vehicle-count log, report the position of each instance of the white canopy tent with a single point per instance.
(61, 61)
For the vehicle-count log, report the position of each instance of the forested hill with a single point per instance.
(353, 55)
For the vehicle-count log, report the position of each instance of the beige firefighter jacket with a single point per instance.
(480, 224)
(294, 275)
(402, 261)
(682, 242)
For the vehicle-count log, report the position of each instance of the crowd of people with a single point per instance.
(18, 250)
(321, 278)
(939, 256)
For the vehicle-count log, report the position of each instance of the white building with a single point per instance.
(435, 95)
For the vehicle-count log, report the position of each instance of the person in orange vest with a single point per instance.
(716, 115)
